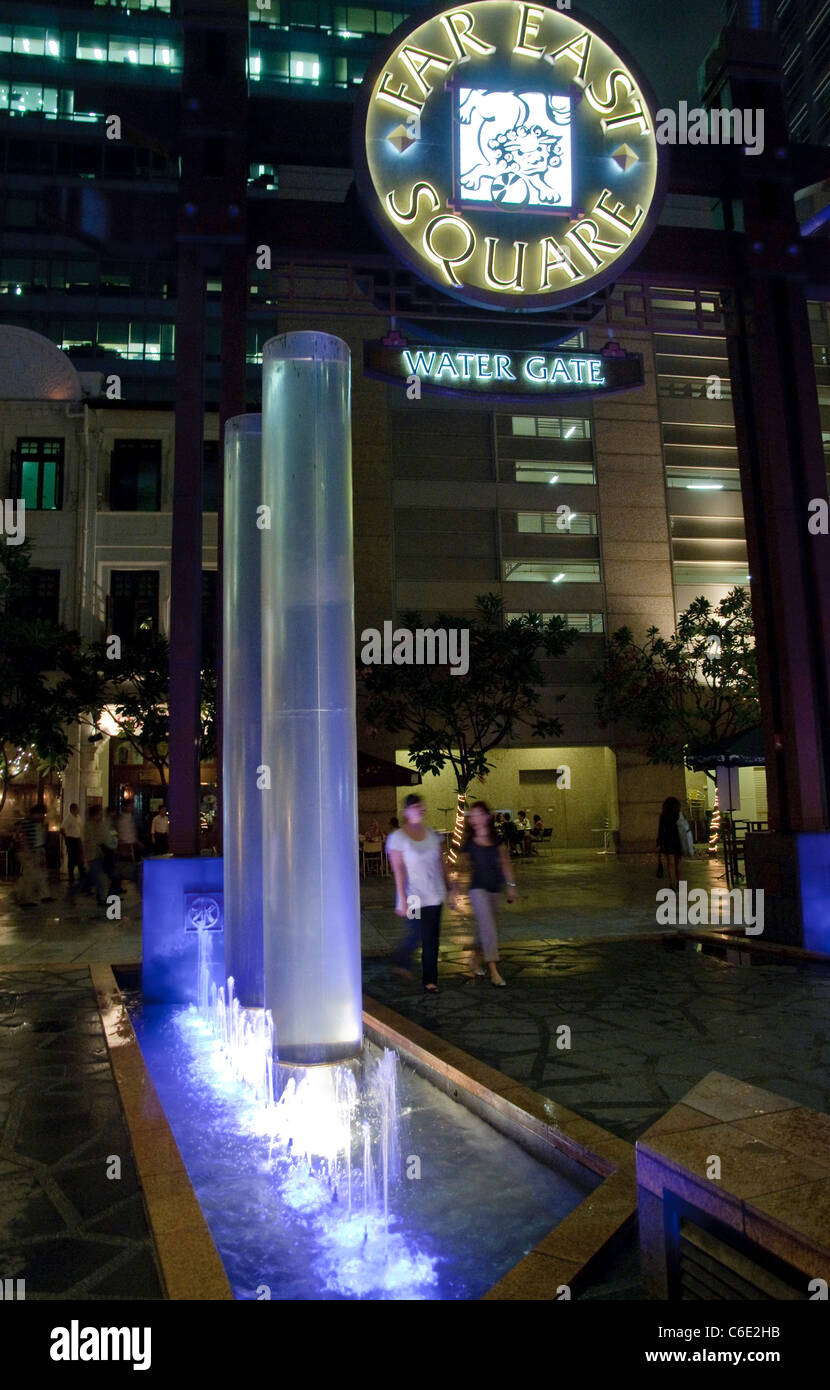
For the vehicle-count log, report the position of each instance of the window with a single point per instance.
(566, 522)
(551, 571)
(551, 427)
(39, 600)
(92, 47)
(716, 572)
(583, 622)
(703, 479)
(305, 67)
(135, 475)
(25, 98)
(134, 603)
(533, 471)
(38, 474)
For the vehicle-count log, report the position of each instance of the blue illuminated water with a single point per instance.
(472, 1204)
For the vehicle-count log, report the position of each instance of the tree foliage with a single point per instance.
(457, 720)
(687, 690)
(135, 688)
(45, 681)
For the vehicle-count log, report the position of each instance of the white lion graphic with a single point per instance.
(514, 147)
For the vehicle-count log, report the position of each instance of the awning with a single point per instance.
(379, 772)
(741, 750)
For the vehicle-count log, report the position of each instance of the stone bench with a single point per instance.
(733, 1188)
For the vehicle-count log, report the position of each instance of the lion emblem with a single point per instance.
(514, 148)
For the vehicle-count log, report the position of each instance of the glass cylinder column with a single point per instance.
(241, 741)
(311, 905)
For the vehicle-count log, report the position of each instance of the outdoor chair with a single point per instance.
(373, 857)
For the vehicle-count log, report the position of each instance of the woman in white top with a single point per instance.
(422, 885)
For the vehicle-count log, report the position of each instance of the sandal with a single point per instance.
(431, 989)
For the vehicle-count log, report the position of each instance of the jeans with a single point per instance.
(73, 856)
(425, 932)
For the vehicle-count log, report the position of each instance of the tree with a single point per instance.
(688, 690)
(457, 720)
(134, 688)
(45, 682)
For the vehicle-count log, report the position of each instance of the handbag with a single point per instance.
(659, 866)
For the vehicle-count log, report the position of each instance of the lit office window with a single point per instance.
(703, 479)
(582, 622)
(123, 50)
(29, 41)
(92, 47)
(161, 5)
(305, 67)
(551, 427)
(536, 471)
(24, 98)
(551, 571)
(715, 572)
(38, 474)
(568, 522)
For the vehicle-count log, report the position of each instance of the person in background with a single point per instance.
(420, 873)
(394, 823)
(72, 830)
(94, 876)
(109, 849)
(160, 830)
(490, 864)
(538, 827)
(33, 886)
(674, 838)
(524, 829)
(510, 833)
(374, 832)
(127, 833)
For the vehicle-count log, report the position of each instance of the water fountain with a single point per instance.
(290, 1124)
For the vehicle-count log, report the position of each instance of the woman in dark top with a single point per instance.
(490, 863)
(668, 838)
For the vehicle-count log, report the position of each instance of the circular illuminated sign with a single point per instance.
(507, 154)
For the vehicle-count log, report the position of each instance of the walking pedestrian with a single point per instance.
(127, 833)
(94, 872)
(72, 830)
(490, 863)
(33, 886)
(674, 838)
(160, 829)
(422, 885)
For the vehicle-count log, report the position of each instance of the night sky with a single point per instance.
(667, 38)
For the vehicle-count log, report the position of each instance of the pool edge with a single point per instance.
(560, 1260)
(190, 1266)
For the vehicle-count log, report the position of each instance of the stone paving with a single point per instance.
(646, 1022)
(67, 1227)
